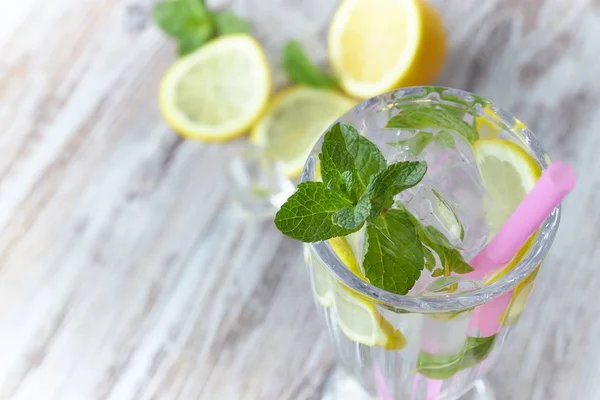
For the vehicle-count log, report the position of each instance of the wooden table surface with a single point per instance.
(125, 272)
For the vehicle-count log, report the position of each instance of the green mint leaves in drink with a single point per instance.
(192, 24)
(474, 352)
(441, 118)
(358, 189)
(302, 71)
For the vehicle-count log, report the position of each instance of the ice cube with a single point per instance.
(450, 196)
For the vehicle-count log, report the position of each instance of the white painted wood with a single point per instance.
(125, 273)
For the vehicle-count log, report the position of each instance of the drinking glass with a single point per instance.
(452, 336)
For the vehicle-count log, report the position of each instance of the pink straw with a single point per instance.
(558, 180)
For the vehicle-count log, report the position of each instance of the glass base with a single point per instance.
(340, 386)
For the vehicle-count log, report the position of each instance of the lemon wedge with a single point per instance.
(294, 121)
(378, 45)
(217, 92)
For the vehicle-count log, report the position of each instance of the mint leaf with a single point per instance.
(477, 350)
(188, 21)
(430, 262)
(350, 217)
(348, 160)
(445, 139)
(307, 214)
(227, 22)
(440, 117)
(451, 259)
(380, 192)
(393, 256)
(474, 352)
(302, 71)
(415, 144)
(192, 24)
(389, 182)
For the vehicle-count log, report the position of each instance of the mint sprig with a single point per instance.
(358, 189)
(348, 196)
(441, 117)
(192, 24)
(302, 71)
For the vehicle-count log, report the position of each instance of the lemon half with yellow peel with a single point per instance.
(378, 45)
(217, 92)
(294, 121)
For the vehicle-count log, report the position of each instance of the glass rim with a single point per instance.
(464, 300)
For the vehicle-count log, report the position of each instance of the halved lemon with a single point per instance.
(508, 173)
(379, 45)
(294, 121)
(217, 92)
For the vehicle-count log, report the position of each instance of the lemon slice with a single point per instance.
(323, 282)
(378, 45)
(217, 92)
(515, 309)
(294, 121)
(490, 130)
(357, 316)
(508, 173)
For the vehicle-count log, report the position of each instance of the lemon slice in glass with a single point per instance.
(508, 173)
(217, 92)
(293, 123)
(357, 316)
(490, 130)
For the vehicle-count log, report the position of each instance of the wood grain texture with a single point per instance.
(126, 274)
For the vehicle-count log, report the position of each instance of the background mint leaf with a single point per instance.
(302, 71)
(474, 352)
(347, 157)
(393, 256)
(226, 22)
(192, 24)
(390, 181)
(188, 21)
(307, 214)
(193, 40)
(440, 117)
